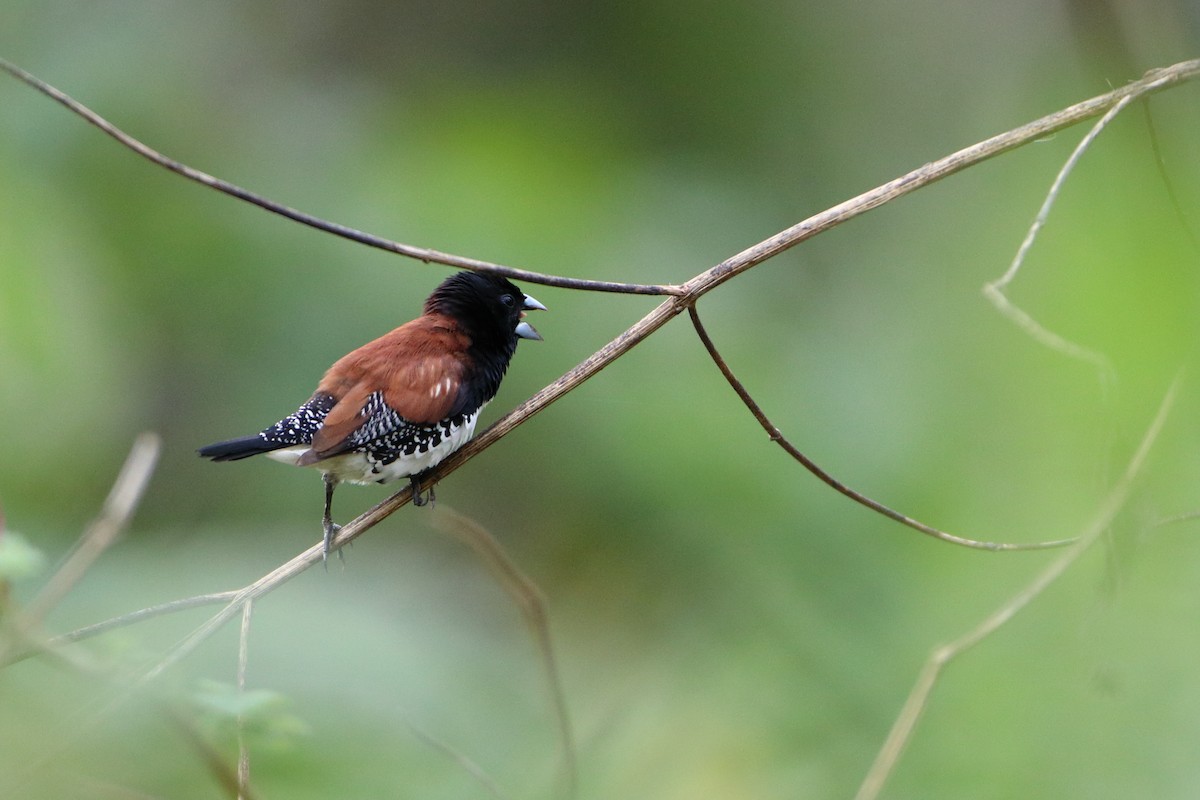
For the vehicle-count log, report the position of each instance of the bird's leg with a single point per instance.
(327, 521)
(417, 499)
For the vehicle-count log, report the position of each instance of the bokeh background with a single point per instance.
(726, 626)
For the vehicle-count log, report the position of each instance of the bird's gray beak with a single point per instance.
(524, 329)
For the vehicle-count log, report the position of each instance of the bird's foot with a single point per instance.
(418, 499)
(331, 530)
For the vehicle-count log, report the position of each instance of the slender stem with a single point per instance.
(1153, 81)
(858, 497)
(243, 768)
(995, 291)
(122, 501)
(918, 698)
(141, 614)
(532, 605)
(470, 767)
(55, 645)
(344, 231)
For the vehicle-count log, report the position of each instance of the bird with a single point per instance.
(399, 405)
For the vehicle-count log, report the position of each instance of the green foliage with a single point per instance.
(18, 558)
(264, 718)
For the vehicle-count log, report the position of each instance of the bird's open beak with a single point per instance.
(524, 329)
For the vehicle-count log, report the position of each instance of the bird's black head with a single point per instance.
(488, 307)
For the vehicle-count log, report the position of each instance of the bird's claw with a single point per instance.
(418, 499)
(331, 531)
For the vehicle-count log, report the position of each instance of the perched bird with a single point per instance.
(399, 405)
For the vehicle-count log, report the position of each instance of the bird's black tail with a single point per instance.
(235, 449)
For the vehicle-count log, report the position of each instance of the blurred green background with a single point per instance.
(726, 626)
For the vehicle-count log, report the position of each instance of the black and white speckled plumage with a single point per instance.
(301, 425)
(385, 447)
(386, 436)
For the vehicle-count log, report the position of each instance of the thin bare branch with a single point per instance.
(810, 465)
(344, 231)
(142, 614)
(995, 291)
(55, 644)
(243, 767)
(470, 767)
(532, 605)
(1187, 516)
(942, 655)
(122, 500)
(119, 506)
(1153, 81)
(76, 660)
(229, 780)
(1160, 161)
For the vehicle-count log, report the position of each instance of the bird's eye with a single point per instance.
(507, 299)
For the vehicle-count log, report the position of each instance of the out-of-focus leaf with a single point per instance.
(18, 558)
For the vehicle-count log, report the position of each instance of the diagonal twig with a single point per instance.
(134, 617)
(119, 506)
(229, 780)
(312, 221)
(122, 501)
(243, 663)
(810, 465)
(470, 767)
(942, 655)
(1153, 81)
(1160, 162)
(55, 644)
(995, 290)
(532, 605)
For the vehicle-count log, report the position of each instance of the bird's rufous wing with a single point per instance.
(418, 369)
